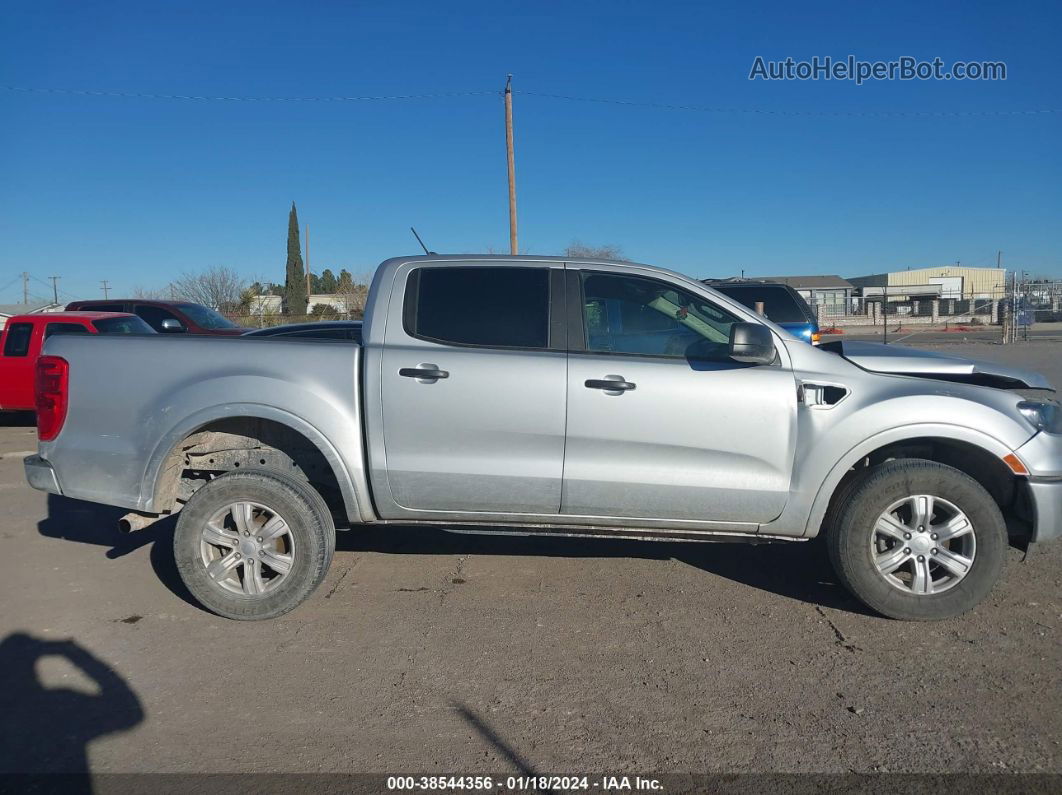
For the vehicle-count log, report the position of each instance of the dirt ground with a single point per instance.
(426, 652)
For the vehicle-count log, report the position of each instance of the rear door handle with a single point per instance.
(424, 372)
(610, 383)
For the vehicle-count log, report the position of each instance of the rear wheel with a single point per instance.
(253, 545)
(918, 540)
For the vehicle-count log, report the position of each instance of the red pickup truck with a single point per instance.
(21, 340)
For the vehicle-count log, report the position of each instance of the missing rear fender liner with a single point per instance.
(236, 444)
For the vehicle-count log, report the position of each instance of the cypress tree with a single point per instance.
(295, 277)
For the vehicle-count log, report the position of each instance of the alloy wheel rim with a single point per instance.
(923, 545)
(247, 548)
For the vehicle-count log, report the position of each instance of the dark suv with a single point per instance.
(166, 317)
(781, 304)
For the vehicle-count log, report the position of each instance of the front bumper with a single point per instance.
(1042, 455)
(1046, 498)
(40, 474)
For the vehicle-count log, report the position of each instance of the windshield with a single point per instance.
(779, 304)
(122, 325)
(205, 317)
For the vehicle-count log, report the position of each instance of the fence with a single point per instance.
(1041, 300)
(1021, 305)
(905, 310)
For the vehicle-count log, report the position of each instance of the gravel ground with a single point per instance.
(425, 652)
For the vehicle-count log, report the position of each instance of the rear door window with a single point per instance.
(17, 339)
(504, 307)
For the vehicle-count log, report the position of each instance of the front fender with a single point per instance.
(891, 436)
(882, 410)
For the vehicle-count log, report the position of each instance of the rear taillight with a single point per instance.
(50, 396)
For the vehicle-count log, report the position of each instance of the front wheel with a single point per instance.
(918, 540)
(253, 545)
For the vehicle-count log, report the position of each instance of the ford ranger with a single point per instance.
(548, 396)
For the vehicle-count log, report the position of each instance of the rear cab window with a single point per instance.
(495, 307)
(64, 328)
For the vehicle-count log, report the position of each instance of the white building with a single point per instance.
(10, 310)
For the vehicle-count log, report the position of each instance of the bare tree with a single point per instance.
(351, 293)
(607, 251)
(218, 287)
(151, 294)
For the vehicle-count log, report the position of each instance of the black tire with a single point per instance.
(308, 520)
(850, 538)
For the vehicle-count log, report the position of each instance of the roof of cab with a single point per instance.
(46, 317)
(512, 259)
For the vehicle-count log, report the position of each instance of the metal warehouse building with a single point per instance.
(951, 281)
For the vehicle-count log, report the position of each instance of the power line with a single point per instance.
(206, 98)
(540, 94)
(768, 112)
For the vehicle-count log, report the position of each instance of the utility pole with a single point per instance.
(511, 162)
(308, 290)
(55, 288)
(25, 288)
(106, 289)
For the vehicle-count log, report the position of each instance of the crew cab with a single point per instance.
(166, 317)
(23, 336)
(553, 396)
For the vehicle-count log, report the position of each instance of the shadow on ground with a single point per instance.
(488, 734)
(92, 523)
(47, 729)
(798, 571)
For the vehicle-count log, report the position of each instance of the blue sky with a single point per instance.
(138, 190)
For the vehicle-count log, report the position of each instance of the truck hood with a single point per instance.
(900, 360)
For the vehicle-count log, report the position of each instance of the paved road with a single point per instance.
(435, 653)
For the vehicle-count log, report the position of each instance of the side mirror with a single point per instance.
(751, 343)
(171, 325)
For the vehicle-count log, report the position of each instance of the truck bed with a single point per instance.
(127, 398)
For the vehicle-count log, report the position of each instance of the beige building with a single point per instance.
(949, 281)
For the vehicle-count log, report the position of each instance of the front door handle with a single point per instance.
(424, 373)
(610, 383)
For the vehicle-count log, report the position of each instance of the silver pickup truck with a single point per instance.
(555, 397)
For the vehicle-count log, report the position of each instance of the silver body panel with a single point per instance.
(511, 438)
(911, 361)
